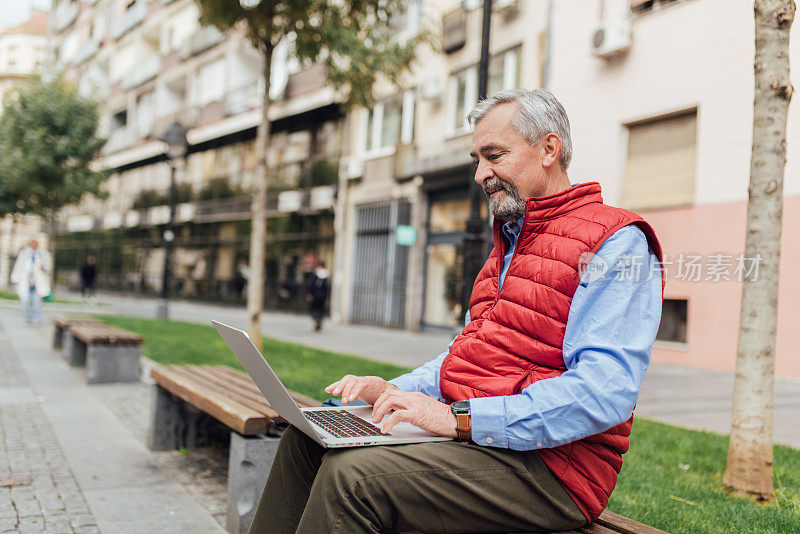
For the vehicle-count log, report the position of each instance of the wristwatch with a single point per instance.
(463, 421)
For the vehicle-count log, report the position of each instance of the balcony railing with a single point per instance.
(187, 117)
(246, 98)
(201, 40)
(119, 139)
(65, 14)
(144, 70)
(85, 52)
(132, 17)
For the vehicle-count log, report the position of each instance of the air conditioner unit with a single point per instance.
(507, 8)
(354, 168)
(611, 38)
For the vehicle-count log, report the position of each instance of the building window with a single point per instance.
(145, 113)
(463, 87)
(210, 82)
(119, 120)
(406, 22)
(389, 123)
(641, 6)
(503, 71)
(673, 321)
(660, 170)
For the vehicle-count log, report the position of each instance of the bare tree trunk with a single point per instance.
(7, 251)
(51, 245)
(258, 209)
(749, 470)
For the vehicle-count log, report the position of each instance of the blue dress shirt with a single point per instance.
(612, 323)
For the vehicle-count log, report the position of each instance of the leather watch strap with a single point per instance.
(463, 427)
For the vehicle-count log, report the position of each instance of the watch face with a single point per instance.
(461, 406)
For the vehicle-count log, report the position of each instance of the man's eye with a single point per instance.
(493, 157)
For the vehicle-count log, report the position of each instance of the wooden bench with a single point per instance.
(195, 405)
(611, 523)
(61, 328)
(110, 354)
(607, 523)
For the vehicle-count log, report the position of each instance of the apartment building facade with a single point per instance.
(662, 115)
(23, 51)
(151, 63)
(403, 197)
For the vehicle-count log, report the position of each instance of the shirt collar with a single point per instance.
(511, 229)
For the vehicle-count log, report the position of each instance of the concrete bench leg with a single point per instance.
(249, 463)
(112, 363)
(76, 351)
(166, 421)
(58, 337)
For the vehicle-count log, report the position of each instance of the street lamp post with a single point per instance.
(177, 146)
(474, 238)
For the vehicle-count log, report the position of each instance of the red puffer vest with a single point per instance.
(516, 335)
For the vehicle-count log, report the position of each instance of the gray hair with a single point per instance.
(540, 113)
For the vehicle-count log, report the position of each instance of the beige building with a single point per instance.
(408, 168)
(150, 63)
(660, 96)
(23, 51)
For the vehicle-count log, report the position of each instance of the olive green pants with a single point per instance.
(428, 487)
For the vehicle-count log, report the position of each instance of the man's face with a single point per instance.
(509, 169)
(34, 244)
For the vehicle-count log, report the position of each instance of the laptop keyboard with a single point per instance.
(342, 423)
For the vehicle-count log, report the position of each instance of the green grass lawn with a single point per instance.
(12, 295)
(303, 369)
(671, 478)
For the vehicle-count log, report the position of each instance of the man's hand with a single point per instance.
(366, 388)
(415, 408)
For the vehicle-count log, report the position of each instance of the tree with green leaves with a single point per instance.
(48, 137)
(352, 39)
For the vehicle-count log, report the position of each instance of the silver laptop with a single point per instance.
(345, 426)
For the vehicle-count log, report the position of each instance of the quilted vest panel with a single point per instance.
(516, 333)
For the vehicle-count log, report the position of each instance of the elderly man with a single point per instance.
(539, 387)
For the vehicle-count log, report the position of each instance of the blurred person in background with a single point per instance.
(88, 276)
(31, 276)
(317, 293)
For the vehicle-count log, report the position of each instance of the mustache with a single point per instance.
(493, 184)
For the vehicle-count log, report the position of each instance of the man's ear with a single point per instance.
(551, 150)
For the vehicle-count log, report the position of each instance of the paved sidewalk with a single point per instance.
(684, 396)
(68, 463)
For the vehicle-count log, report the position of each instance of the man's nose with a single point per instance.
(483, 173)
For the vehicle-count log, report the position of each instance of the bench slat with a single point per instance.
(596, 528)
(207, 379)
(65, 322)
(303, 400)
(102, 333)
(242, 388)
(624, 525)
(242, 419)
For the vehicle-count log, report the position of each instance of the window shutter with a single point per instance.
(661, 163)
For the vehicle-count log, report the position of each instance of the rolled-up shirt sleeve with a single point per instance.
(612, 324)
(424, 378)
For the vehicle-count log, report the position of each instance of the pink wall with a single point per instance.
(713, 310)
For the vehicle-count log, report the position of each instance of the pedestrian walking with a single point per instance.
(88, 277)
(317, 293)
(31, 276)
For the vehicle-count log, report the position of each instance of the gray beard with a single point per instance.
(511, 207)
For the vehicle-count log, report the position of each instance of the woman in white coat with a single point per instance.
(31, 276)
